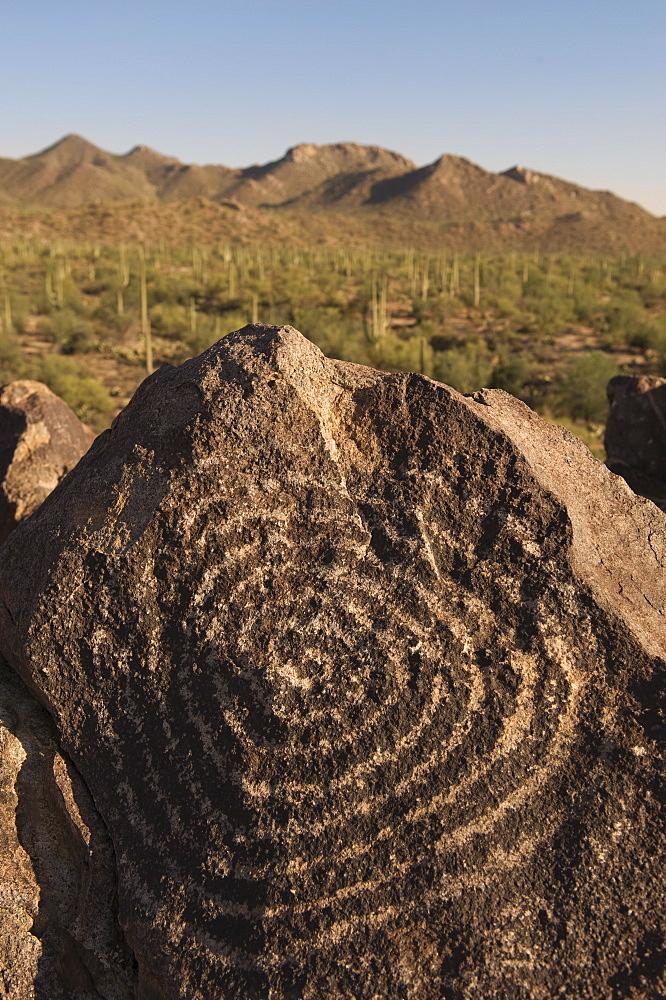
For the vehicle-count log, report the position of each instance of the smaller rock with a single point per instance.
(635, 438)
(40, 441)
(59, 936)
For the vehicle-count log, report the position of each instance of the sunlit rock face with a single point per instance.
(40, 441)
(363, 678)
(59, 937)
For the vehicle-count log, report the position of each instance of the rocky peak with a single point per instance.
(71, 148)
(522, 174)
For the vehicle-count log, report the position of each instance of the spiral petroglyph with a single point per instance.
(363, 699)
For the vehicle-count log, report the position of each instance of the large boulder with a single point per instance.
(40, 441)
(365, 680)
(635, 438)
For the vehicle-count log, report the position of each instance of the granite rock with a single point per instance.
(635, 438)
(59, 935)
(58, 938)
(40, 441)
(365, 680)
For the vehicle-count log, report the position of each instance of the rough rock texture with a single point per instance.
(635, 437)
(57, 870)
(364, 678)
(59, 936)
(40, 441)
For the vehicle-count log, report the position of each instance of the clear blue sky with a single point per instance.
(575, 88)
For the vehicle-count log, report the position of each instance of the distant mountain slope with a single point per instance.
(318, 176)
(517, 206)
(74, 172)
(449, 186)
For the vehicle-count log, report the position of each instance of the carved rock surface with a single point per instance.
(635, 438)
(40, 441)
(364, 678)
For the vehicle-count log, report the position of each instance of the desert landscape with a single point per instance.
(471, 278)
(332, 527)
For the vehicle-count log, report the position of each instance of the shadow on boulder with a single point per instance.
(635, 437)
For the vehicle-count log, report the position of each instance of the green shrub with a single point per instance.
(625, 315)
(13, 364)
(207, 331)
(505, 306)
(336, 334)
(580, 390)
(72, 333)
(648, 337)
(586, 307)
(83, 393)
(169, 320)
(511, 374)
(551, 313)
(467, 368)
(403, 354)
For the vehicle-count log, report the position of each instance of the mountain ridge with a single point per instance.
(322, 160)
(345, 178)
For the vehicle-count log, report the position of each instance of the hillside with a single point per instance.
(74, 172)
(330, 194)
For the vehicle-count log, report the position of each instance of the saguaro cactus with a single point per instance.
(92, 269)
(123, 277)
(477, 279)
(423, 356)
(379, 317)
(454, 285)
(425, 279)
(54, 284)
(145, 321)
(7, 321)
